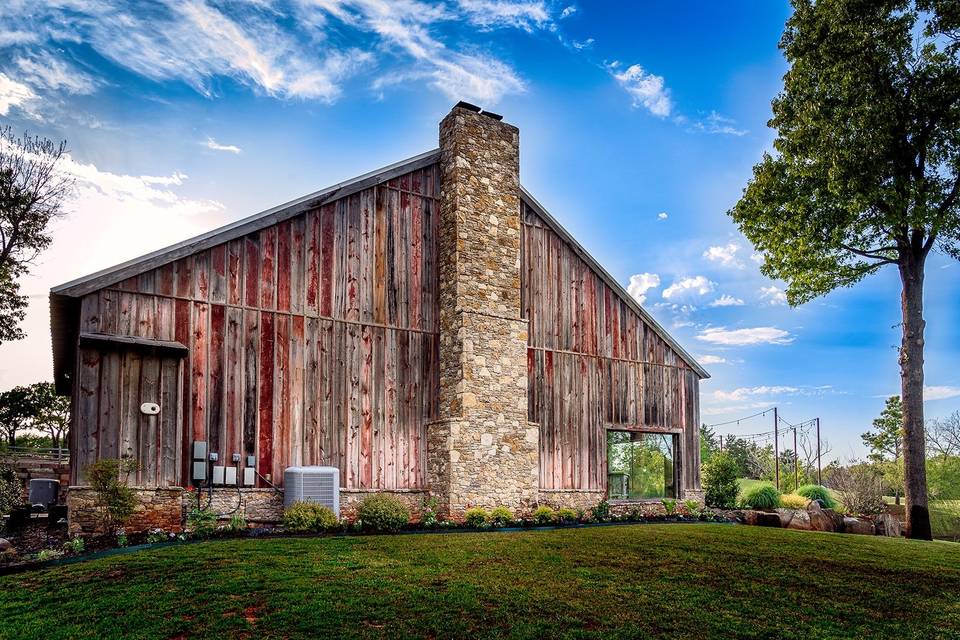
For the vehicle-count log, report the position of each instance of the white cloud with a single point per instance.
(726, 300)
(743, 393)
(726, 255)
(711, 359)
(662, 215)
(940, 392)
(697, 285)
(640, 283)
(45, 70)
(568, 11)
(757, 257)
(580, 45)
(744, 337)
(499, 13)
(13, 94)
(773, 295)
(16, 37)
(216, 146)
(291, 51)
(715, 123)
(646, 89)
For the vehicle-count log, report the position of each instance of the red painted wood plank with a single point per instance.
(283, 266)
(266, 382)
(251, 270)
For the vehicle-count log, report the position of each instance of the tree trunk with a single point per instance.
(911, 383)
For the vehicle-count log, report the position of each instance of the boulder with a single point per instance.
(800, 521)
(786, 516)
(761, 518)
(858, 526)
(5, 544)
(887, 525)
(823, 519)
(7, 551)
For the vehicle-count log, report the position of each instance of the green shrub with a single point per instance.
(156, 536)
(237, 523)
(567, 515)
(115, 500)
(476, 517)
(720, 481)
(122, 539)
(793, 501)
(669, 506)
(74, 545)
(762, 496)
(201, 522)
(383, 512)
(302, 517)
(601, 512)
(543, 515)
(11, 489)
(693, 508)
(428, 513)
(818, 492)
(49, 554)
(501, 517)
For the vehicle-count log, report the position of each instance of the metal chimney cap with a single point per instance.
(467, 106)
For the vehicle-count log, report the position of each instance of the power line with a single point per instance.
(739, 420)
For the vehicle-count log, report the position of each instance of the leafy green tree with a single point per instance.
(866, 170)
(32, 192)
(720, 485)
(885, 442)
(708, 443)
(16, 412)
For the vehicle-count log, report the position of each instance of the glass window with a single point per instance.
(640, 465)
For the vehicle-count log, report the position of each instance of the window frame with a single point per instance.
(677, 435)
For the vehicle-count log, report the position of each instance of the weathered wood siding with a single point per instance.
(312, 341)
(594, 364)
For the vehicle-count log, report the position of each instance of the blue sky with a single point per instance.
(639, 126)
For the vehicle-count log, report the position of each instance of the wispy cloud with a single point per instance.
(499, 13)
(568, 11)
(640, 283)
(726, 300)
(45, 70)
(745, 337)
(646, 89)
(940, 392)
(13, 94)
(580, 45)
(773, 295)
(711, 359)
(714, 123)
(216, 146)
(292, 50)
(696, 285)
(662, 215)
(725, 255)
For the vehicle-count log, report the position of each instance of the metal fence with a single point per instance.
(58, 454)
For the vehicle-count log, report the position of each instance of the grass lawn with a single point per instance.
(677, 581)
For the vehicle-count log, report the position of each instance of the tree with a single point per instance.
(866, 171)
(32, 191)
(943, 435)
(708, 443)
(886, 444)
(51, 412)
(16, 412)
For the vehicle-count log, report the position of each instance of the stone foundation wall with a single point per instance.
(257, 506)
(583, 499)
(156, 509)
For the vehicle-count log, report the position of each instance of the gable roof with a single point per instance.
(64, 298)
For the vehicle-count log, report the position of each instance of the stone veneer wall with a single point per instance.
(481, 450)
(167, 509)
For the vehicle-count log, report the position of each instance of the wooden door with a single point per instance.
(113, 382)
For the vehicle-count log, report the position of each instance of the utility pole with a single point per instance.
(796, 462)
(819, 479)
(776, 444)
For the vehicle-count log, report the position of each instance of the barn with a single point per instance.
(428, 329)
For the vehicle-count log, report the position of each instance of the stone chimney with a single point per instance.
(481, 450)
